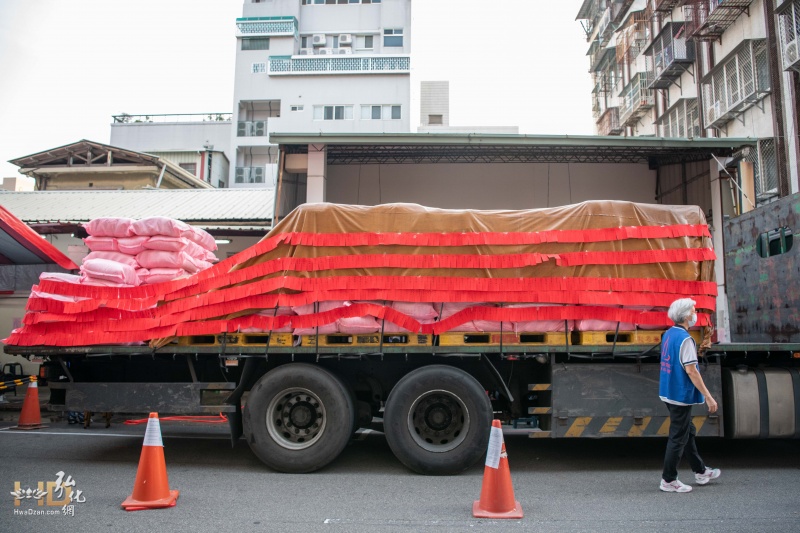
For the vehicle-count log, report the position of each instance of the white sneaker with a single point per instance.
(708, 475)
(674, 486)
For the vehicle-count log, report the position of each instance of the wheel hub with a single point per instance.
(438, 421)
(295, 418)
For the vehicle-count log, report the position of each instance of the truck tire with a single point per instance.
(298, 418)
(437, 420)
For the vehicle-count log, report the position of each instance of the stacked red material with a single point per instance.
(603, 261)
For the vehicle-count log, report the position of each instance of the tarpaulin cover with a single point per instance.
(603, 260)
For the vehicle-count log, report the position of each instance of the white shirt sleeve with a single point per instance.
(688, 352)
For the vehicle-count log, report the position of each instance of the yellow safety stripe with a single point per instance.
(611, 424)
(664, 429)
(698, 422)
(638, 431)
(578, 426)
(540, 386)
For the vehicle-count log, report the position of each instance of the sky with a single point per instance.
(67, 66)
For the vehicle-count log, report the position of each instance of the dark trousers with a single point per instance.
(681, 439)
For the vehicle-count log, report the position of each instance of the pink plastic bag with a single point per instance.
(117, 257)
(132, 245)
(59, 276)
(164, 259)
(101, 244)
(359, 324)
(417, 310)
(89, 280)
(327, 329)
(201, 237)
(149, 276)
(168, 244)
(602, 325)
(109, 227)
(161, 226)
(107, 270)
(540, 326)
(391, 327)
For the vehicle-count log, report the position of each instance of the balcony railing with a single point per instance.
(736, 83)
(353, 64)
(668, 56)
(636, 100)
(666, 6)
(125, 118)
(707, 20)
(789, 24)
(681, 120)
(609, 122)
(266, 26)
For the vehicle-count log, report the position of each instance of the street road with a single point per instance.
(563, 486)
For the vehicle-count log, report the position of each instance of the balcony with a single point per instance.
(352, 64)
(266, 27)
(681, 120)
(789, 26)
(707, 20)
(666, 6)
(636, 100)
(737, 83)
(609, 122)
(668, 56)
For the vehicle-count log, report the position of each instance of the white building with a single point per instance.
(327, 66)
(701, 68)
(434, 112)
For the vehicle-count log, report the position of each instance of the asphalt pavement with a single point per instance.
(562, 485)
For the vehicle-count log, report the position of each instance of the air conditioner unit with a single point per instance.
(318, 39)
(326, 51)
(240, 175)
(344, 51)
(790, 54)
(241, 129)
(345, 39)
(257, 175)
(260, 128)
(306, 51)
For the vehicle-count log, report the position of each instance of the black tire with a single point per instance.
(437, 420)
(298, 418)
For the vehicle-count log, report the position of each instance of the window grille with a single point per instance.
(765, 170)
(789, 29)
(681, 120)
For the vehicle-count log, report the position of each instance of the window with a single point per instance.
(259, 43)
(380, 112)
(333, 112)
(296, 108)
(364, 42)
(303, 42)
(393, 37)
(259, 68)
(775, 242)
(189, 167)
(435, 120)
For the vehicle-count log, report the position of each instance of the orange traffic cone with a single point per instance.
(151, 488)
(30, 417)
(497, 493)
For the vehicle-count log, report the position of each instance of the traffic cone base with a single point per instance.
(497, 492)
(30, 416)
(477, 512)
(151, 488)
(135, 505)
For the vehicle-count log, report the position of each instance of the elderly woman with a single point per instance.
(681, 386)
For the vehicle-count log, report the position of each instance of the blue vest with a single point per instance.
(675, 384)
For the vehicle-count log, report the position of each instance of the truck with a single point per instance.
(547, 319)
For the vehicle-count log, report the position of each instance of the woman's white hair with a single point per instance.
(681, 309)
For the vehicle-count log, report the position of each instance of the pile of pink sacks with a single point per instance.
(127, 252)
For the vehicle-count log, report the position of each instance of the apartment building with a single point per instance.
(701, 68)
(327, 66)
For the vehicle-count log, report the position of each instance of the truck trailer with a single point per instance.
(548, 319)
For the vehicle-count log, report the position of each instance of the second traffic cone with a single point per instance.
(497, 493)
(31, 417)
(151, 488)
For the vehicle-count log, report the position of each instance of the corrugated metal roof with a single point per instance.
(190, 205)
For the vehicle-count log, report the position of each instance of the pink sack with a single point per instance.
(391, 327)
(327, 329)
(89, 280)
(168, 244)
(160, 275)
(110, 271)
(210, 257)
(451, 308)
(132, 245)
(160, 226)
(602, 325)
(59, 276)
(101, 244)
(164, 259)
(201, 237)
(117, 257)
(417, 310)
(109, 227)
(308, 309)
(540, 326)
(359, 324)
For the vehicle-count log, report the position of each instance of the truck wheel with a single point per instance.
(298, 418)
(437, 420)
